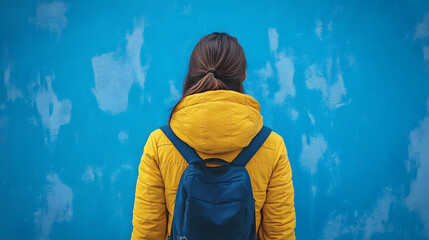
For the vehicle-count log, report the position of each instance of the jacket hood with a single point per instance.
(217, 121)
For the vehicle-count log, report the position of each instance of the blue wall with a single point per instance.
(82, 85)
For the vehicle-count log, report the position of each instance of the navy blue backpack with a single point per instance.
(214, 203)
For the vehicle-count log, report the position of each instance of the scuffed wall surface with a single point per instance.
(82, 85)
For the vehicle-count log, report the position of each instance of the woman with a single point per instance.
(218, 120)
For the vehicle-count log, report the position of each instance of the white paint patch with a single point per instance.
(88, 176)
(418, 151)
(314, 190)
(59, 197)
(285, 72)
(332, 95)
(123, 136)
(367, 224)
(11, 91)
(54, 113)
(312, 120)
(115, 74)
(312, 151)
(316, 80)
(318, 28)
(293, 114)
(332, 164)
(377, 220)
(51, 16)
(273, 36)
(336, 92)
(334, 228)
(426, 53)
(90, 173)
(134, 45)
(174, 93)
(264, 74)
(113, 80)
(422, 29)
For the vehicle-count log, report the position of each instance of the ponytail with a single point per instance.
(217, 62)
(207, 83)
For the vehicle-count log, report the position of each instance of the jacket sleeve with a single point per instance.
(278, 212)
(149, 215)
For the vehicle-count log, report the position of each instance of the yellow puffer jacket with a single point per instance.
(216, 124)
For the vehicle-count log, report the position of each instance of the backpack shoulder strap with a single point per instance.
(247, 153)
(185, 150)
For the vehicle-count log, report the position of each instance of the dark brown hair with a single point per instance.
(222, 53)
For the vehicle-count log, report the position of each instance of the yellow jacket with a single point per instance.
(217, 124)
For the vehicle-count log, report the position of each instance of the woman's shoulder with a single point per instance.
(274, 141)
(158, 137)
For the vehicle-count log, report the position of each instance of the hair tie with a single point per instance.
(212, 71)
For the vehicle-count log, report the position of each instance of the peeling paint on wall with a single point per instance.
(418, 151)
(57, 206)
(54, 113)
(115, 74)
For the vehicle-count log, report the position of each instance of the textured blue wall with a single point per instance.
(84, 83)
